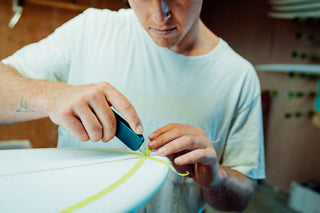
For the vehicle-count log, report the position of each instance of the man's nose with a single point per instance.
(161, 12)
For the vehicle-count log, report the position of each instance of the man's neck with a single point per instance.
(199, 44)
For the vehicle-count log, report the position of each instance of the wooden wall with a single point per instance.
(292, 145)
(36, 23)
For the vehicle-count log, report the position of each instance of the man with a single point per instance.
(198, 100)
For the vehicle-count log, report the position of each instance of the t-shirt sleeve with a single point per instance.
(49, 58)
(244, 150)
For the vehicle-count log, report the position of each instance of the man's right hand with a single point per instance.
(85, 111)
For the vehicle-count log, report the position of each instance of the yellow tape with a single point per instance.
(169, 166)
(120, 181)
(107, 190)
(148, 152)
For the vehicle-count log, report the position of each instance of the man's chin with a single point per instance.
(164, 42)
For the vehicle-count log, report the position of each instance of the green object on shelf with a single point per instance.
(311, 113)
(304, 56)
(292, 74)
(299, 94)
(288, 115)
(314, 57)
(295, 54)
(298, 114)
(273, 93)
(303, 75)
(312, 94)
(289, 95)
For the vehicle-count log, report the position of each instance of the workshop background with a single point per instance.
(257, 30)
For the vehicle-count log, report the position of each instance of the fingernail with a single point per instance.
(178, 160)
(162, 151)
(152, 143)
(139, 129)
(152, 135)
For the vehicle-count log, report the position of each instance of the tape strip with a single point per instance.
(107, 190)
(169, 166)
(120, 181)
(66, 167)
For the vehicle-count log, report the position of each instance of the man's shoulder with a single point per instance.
(230, 60)
(230, 53)
(101, 23)
(100, 13)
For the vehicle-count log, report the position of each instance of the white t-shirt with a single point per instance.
(218, 92)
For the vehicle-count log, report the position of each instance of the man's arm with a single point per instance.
(84, 110)
(20, 98)
(232, 194)
(190, 150)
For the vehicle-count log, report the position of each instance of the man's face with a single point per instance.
(170, 23)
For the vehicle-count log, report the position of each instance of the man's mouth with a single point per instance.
(163, 32)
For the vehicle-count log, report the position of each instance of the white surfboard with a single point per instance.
(291, 9)
(291, 2)
(296, 7)
(302, 68)
(66, 180)
(293, 15)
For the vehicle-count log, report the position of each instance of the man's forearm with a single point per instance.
(21, 99)
(233, 194)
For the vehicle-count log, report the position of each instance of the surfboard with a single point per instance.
(296, 7)
(67, 180)
(292, 9)
(310, 14)
(292, 2)
(303, 68)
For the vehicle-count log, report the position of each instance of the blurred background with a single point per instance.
(281, 38)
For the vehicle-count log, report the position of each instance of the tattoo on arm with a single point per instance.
(24, 107)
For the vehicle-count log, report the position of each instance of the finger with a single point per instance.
(125, 108)
(161, 130)
(89, 121)
(105, 116)
(170, 133)
(205, 156)
(186, 142)
(76, 128)
(169, 127)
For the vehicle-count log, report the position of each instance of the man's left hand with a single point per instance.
(190, 150)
